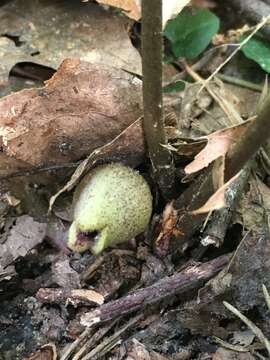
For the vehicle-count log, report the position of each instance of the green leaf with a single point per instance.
(258, 50)
(191, 31)
(175, 87)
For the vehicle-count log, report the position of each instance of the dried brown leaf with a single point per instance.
(218, 144)
(217, 200)
(166, 228)
(23, 237)
(56, 31)
(82, 107)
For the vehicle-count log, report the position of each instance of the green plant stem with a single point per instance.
(153, 122)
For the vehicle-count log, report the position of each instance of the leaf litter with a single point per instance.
(49, 33)
(45, 126)
(90, 112)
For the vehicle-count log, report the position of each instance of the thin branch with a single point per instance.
(76, 343)
(190, 278)
(111, 341)
(153, 122)
(92, 340)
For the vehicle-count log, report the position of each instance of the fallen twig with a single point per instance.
(79, 341)
(190, 278)
(92, 340)
(110, 342)
(80, 296)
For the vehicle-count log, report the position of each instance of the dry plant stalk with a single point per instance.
(153, 123)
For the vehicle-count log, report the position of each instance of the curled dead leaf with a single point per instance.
(218, 144)
(217, 200)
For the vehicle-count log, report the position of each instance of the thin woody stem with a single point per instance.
(153, 122)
